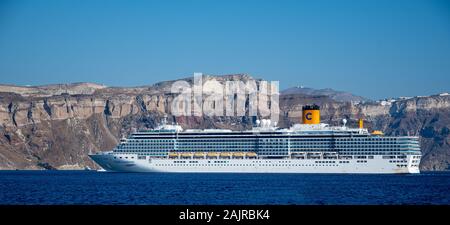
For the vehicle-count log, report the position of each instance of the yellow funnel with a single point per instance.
(311, 114)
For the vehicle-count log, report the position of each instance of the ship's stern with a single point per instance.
(414, 163)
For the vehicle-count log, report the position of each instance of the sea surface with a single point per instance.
(91, 187)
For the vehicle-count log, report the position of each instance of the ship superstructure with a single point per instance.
(309, 147)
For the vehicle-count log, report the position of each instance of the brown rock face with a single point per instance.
(57, 126)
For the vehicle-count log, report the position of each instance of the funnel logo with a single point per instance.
(308, 116)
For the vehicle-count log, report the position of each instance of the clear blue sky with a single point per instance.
(373, 48)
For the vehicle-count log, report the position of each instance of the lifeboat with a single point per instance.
(377, 132)
(212, 154)
(173, 155)
(199, 154)
(250, 154)
(238, 154)
(186, 154)
(225, 154)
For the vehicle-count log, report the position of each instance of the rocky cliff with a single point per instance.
(57, 126)
(339, 96)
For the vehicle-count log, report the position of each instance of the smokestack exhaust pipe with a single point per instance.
(311, 114)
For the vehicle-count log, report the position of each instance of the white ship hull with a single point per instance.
(311, 147)
(377, 165)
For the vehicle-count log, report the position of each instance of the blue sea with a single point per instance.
(90, 187)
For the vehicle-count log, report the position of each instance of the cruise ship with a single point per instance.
(307, 147)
